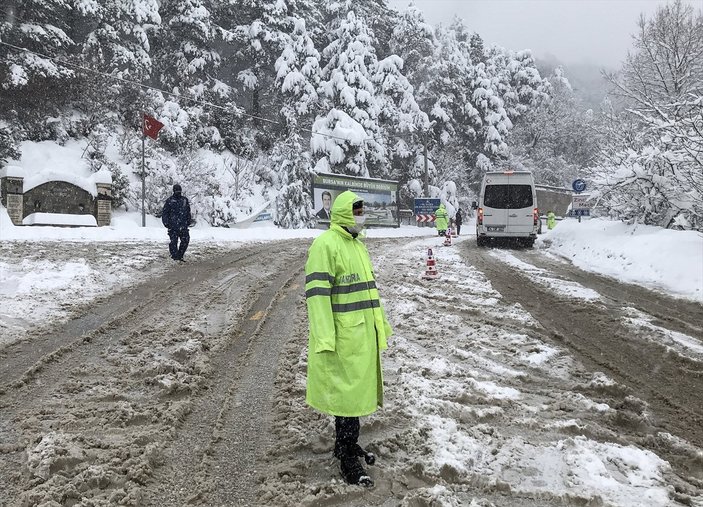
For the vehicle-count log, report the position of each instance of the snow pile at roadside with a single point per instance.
(667, 260)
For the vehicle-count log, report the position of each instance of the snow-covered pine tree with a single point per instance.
(34, 85)
(186, 60)
(8, 147)
(294, 202)
(466, 108)
(117, 36)
(517, 80)
(400, 117)
(186, 63)
(298, 76)
(349, 132)
(255, 31)
(414, 41)
(113, 37)
(40, 26)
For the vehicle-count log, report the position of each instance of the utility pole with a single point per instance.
(427, 175)
(143, 183)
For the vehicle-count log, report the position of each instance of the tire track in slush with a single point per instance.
(230, 423)
(21, 357)
(595, 334)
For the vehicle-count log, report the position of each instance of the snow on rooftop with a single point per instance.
(47, 161)
(12, 171)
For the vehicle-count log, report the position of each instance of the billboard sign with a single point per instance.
(380, 197)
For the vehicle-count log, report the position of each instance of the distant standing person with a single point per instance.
(458, 220)
(348, 330)
(324, 212)
(176, 218)
(551, 220)
(441, 219)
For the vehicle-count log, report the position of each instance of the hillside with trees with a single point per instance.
(256, 96)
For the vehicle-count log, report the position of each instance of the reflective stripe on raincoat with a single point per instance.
(440, 218)
(347, 325)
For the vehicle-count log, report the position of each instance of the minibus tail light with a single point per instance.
(479, 216)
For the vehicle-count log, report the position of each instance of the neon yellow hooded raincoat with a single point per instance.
(441, 218)
(348, 326)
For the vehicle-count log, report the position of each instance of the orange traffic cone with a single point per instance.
(454, 234)
(448, 238)
(431, 271)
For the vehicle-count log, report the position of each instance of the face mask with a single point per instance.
(359, 221)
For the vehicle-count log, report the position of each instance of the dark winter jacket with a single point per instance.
(176, 213)
(458, 218)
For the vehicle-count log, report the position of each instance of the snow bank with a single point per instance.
(658, 258)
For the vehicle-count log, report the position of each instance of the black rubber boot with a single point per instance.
(357, 451)
(353, 473)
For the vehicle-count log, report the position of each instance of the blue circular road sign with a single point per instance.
(578, 185)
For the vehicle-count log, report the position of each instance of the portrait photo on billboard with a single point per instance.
(323, 199)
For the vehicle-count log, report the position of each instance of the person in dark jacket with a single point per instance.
(458, 219)
(176, 218)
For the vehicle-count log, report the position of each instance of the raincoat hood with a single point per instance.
(342, 214)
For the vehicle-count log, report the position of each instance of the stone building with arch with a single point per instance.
(56, 198)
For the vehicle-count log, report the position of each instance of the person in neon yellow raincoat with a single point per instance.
(441, 220)
(551, 220)
(348, 330)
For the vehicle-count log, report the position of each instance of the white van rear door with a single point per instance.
(520, 214)
(495, 204)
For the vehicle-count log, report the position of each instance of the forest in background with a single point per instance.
(256, 96)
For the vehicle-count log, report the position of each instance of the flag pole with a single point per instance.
(143, 185)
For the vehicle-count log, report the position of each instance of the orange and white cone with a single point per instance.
(454, 235)
(431, 270)
(448, 238)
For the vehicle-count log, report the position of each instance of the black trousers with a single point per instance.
(174, 249)
(347, 432)
(458, 229)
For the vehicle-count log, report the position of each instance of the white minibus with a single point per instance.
(507, 208)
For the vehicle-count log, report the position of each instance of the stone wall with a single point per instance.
(553, 200)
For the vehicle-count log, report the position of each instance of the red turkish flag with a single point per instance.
(151, 126)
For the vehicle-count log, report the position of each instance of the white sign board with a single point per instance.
(580, 201)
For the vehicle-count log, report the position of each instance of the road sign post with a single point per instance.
(424, 210)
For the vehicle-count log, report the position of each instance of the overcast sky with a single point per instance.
(575, 31)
